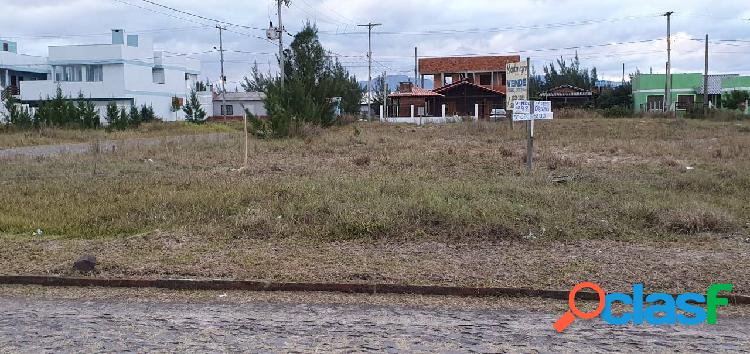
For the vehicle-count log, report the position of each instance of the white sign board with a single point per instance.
(522, 110)
(517, 75)
(543, 110)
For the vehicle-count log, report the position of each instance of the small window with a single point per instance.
(6, 47)
(94, 73)
(485, 79)
(158, 76)
(227, 110)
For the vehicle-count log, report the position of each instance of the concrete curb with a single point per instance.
(228, 285)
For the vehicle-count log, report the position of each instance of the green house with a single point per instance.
(687, 90)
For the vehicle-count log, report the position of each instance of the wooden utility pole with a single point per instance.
(705, 82)
(668, 78)
(369, 67)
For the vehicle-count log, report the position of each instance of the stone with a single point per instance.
(85, 264)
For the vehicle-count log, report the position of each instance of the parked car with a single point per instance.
(498, 114)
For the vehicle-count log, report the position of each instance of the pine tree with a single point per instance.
(194, 113)
(14, 115)
(312, 79)
(88, 116)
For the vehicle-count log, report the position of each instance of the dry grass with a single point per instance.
(650, 183)
(46, 136)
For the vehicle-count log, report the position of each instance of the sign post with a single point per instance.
(517, 83)
(529, 111)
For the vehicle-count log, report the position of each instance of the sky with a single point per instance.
(605, 34)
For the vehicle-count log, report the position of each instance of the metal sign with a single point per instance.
(522, 110)
(543, 110)
(517, 82)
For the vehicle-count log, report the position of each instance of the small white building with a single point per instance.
(233, 105)
(127, 71)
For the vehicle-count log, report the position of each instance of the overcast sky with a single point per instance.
(606, 33)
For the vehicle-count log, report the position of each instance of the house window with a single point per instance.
(485, 79)
(227, 110)
(6, 47)
(158, 76)
(94, 73)
(69, 73)
(685, 101)
(655, 103)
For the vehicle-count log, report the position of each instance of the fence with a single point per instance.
(412, 119)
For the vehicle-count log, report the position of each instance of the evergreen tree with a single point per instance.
(57, 111)
(312, 79)
(88, 116)
(735, 99)
(14, 115)
(194, 113)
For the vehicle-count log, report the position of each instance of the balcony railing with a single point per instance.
(13, 90)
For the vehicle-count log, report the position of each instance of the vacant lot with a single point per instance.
(612, 201)
(45, 136)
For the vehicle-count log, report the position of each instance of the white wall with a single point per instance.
(255, 107)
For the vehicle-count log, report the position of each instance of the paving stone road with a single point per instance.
(37, 326)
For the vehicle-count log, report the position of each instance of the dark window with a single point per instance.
(227, 110)
(6, 47)
(485, 79)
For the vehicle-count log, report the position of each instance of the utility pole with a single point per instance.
(668, 90)
(369, 66)
(223, 77)
(623, 74)
(385, 94)
(705, 82)
(280, 32)
(416, 67)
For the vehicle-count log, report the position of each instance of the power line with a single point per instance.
(200, 16)
(500, 29)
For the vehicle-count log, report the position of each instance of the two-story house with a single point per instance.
(127, 71)
(16, 68)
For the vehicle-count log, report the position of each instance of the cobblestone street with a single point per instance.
(33, 326)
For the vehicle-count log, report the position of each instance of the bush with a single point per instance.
(616, 112)
(14, 115)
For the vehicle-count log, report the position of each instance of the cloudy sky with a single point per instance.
(605, 34)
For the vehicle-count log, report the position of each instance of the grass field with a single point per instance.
(45, 136)
(642, 200)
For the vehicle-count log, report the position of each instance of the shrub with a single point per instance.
(616, 112)
(15, 115)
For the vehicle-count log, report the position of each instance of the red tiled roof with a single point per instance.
(431, 66)
(416, 92)
(466, 82)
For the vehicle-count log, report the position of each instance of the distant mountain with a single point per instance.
(394, 80)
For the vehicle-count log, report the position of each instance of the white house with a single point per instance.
(233, 104)
(128, 71)
(16, 68)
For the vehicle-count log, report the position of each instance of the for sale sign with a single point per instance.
(517, 82)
